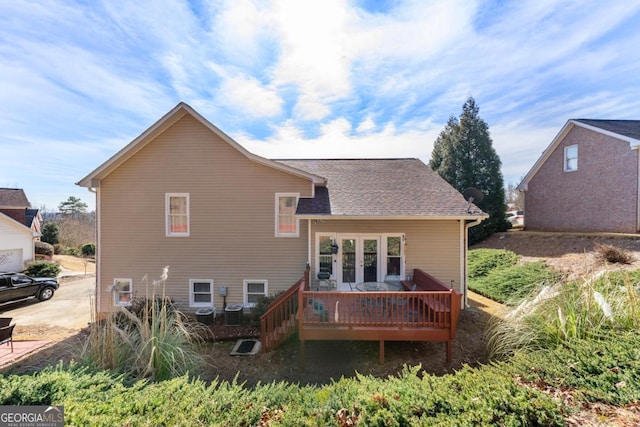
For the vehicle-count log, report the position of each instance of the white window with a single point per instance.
(200, 293)
(326, 253)
(253, 291)
(571, 158)
(287, 225)
(122, 291)
(177, 214)
(394, 256)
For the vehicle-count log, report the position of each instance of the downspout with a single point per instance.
(638, 190)
(97, 236)
(465, 248)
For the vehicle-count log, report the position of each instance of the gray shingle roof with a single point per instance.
(628, 128)
(380, 187)
(14, 198)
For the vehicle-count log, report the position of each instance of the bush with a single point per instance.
(512, 284)
(598, 370)
(482, 261)
(261, 307)
(152, 339)
(43, 269)
(43, 248)
(88, 249)
(482, 397)
(613, 254)
(72, 251)
(58, 249)
(582, 310)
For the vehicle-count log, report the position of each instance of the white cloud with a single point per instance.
(247, 96)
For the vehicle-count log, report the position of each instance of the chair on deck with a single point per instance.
(5, 321)
(6, 335)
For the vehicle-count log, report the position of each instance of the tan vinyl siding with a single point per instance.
(432, 245)
(232, 218)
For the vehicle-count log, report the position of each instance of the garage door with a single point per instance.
(11, 260)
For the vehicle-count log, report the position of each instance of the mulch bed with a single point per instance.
(223, 332)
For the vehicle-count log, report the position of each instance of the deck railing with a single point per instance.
(279, 322)
(379, 316)
(431, 309)
(371, 316)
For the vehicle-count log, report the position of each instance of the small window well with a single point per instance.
(246, 348)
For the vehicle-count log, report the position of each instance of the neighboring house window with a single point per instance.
(287, 225)
(253, 291)
(177, 211)
(122, 291)
(200, 293)
(571, 158)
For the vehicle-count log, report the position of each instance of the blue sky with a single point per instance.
(303, 79)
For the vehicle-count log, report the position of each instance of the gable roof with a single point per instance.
(92, 180)
(626, 130)
(619, 128)
(374, 188)
(23, 228)
(13, 198)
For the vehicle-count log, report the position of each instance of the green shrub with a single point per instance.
(43, 269)
(58, 249)
(485, 396)
(43, 248)
(261, 307)
(606, 370)
(88, 249)
(512, 284)
(482, 261)
(72, 251)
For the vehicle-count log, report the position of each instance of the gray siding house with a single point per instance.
(587, 179)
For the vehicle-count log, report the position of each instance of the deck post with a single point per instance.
(381, 352)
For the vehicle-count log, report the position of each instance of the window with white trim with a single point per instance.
(571, 158)
(287, 225)
(253, 291)
(177, 214)
(122, 292)
(325, 259)
(200, 293)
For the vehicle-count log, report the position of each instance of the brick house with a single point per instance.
(587, 179)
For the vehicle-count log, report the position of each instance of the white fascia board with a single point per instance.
(634, 142)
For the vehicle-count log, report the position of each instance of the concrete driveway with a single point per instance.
(69, 308)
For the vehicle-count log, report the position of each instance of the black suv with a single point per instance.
(17, 286)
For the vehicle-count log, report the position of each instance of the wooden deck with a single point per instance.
(366, 316)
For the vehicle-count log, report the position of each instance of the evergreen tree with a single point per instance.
(73, 206)
(463, 155)
(50, 232)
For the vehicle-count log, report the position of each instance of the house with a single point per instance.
(185, 195)
(14, 204)
(587, 180)
(19, 228)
